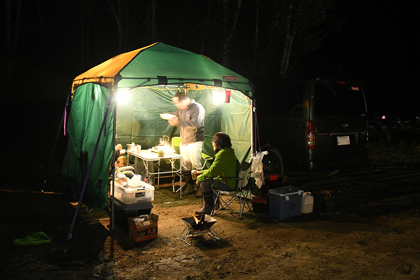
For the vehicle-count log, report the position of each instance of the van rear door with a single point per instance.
(338, 110)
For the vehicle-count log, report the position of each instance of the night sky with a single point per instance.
(381, 50)
(371, 42)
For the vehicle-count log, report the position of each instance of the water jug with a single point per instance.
(307, 203)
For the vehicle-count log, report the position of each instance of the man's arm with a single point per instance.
(174, 121)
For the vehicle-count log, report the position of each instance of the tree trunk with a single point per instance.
(154, 36)
(17, 27)
(12, 37)
(227, 45)
(8, 40)
(120, 38)
(82, 39)
(257, 19)
(182, 16)
(288, 44)
(117, 17)
(205, 22)
(126, 25)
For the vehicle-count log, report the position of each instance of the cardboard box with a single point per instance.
(139, 230)
(122, 212)
(285, 202)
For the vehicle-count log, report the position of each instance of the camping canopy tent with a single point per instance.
(148, 77)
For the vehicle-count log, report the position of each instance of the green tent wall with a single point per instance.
(150, 76)
(84, 124)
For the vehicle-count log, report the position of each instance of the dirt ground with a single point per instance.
(368, 227)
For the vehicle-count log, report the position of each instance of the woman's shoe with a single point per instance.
(208, 205)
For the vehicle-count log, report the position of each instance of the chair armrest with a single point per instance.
(217, 180)
(206, 157)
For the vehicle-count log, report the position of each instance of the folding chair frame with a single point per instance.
(240, 194)
(207, 160)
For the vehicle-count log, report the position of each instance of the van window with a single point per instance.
(291, 101)
(340, 101)
(282, 100)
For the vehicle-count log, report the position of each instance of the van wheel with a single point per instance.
(273, 163)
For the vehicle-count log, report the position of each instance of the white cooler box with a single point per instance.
(129, 195)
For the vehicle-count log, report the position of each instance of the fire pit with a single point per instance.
(196, 226)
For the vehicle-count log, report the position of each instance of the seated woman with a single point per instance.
(225, 165)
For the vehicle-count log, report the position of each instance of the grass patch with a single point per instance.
(395, 146)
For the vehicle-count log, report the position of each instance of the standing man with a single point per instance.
(189, 116)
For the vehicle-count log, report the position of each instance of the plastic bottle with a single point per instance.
(307, 203)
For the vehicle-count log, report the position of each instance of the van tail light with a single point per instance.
(367, 136)
(310, 135)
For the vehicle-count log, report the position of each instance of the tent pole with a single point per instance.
(252, 129)
(114, 123)
(256, 132)
(90, 168)
(63, 120)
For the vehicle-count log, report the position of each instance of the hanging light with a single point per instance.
(218, 96)
(123, 95)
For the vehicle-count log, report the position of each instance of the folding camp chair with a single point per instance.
(206, 160)
(240, 194)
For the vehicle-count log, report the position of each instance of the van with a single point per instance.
(311, 126)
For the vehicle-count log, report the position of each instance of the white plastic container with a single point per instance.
(135, 182)
(138, 149)
(131, 147)
(129, 195)
(307, 203)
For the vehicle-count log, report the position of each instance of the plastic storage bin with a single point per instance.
(127, 195)
(285, 202)
(122, 211)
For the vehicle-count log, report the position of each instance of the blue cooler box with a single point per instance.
(285, 202)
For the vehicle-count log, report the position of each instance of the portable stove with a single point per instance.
(196, 226)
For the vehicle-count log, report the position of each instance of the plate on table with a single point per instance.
(167, 116)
